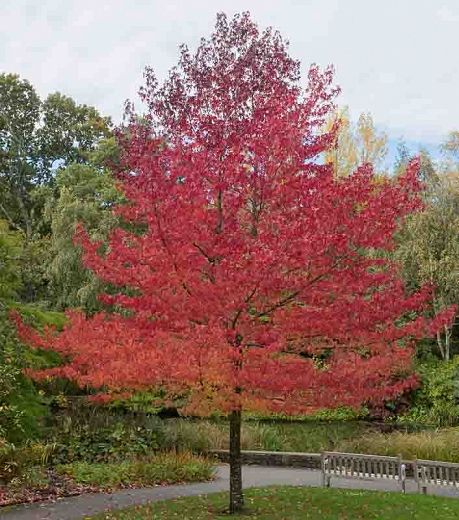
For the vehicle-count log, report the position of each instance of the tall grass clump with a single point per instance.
(163, 468)
(201, 436)
(442, 445)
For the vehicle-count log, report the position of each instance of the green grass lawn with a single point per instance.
(293, 503)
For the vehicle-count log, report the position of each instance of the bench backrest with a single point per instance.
(436, 473)
(357, 465)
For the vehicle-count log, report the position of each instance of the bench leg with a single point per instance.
(424, 490)
(402, 475)
(326, 480)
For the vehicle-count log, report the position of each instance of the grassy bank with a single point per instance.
(164, 468)
(109, 437)
(201, 436)
(440, 444)
(434, 444)
(117, 439)
(41, 481)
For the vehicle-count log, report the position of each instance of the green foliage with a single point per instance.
(24, 465)
(11, 417)
(32, 264)
(164, 468)
(437, 400)
(106, 154)
(20, 405)
(39, 317)
(31, 411)
(100, 436)
(33, 478)
(16, 461)
(296, 503)
(428, 249)
(70, 132)
(429, 244)
(10, 252)
(340, 414)
(36, 137)
(143, 402)
(337, 414)
(86, 196)
(20, 108)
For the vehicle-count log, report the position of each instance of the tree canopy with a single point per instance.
(35, 138)
(249, 276)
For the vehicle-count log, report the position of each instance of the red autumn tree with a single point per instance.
(250, 278)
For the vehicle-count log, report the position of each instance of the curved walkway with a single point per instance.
(82, 506)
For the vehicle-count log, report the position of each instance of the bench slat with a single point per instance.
(361, 456)
(363, 466)
(436, 473)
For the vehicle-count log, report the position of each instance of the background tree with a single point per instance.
(428, 244)
(246, 281)
(36, 138)
(20, 112)
(10, 252)
(86, 195)
(19, 402)
(429, 251)
(355, 144)
(427, 172)
(451, 146)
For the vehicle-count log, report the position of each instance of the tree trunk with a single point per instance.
(440, 345)
(236, 497)
(448, 332)
(444, 343)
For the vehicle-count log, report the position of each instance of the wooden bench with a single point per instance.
(360, 466)
(433, 473)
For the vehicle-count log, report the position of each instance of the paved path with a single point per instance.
(79, 507)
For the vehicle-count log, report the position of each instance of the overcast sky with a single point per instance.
(395, 59)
